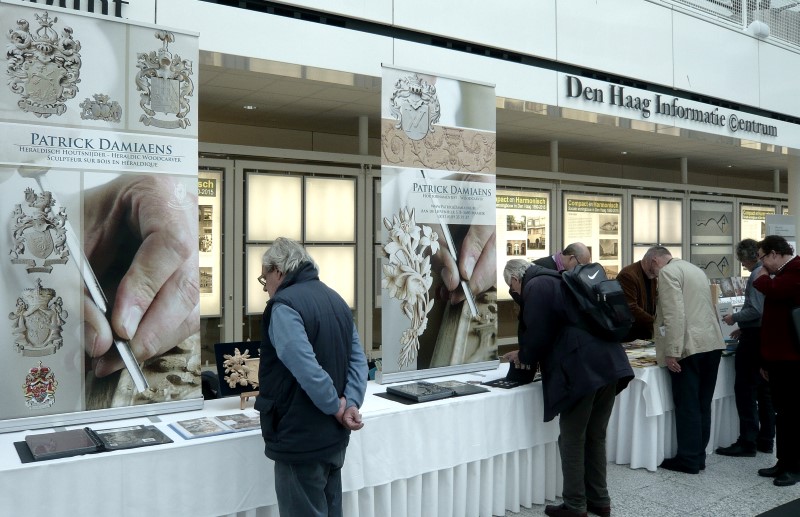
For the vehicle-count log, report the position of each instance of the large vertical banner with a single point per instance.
(439, 295)
(99, 218)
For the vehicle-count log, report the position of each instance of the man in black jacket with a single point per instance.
(581, 375)
(312, 379)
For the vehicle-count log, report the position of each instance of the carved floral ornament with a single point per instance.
(241, 369)
(407, 277)
(43, 66)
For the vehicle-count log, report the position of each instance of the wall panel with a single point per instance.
(631, 39)
(716, 61)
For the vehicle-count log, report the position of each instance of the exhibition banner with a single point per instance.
(439, 267)
(98, 166)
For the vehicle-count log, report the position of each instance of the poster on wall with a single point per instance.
(753, 224)
(439, 267)
(595, 221)
(523, 229)
(711, 222)
(209, 239)
(98, 164)
(716, 261)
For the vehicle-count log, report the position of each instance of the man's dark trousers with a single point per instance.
(753, 400)
(310, 489)
(692, 393)
(582, 444)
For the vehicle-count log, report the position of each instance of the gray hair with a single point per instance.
(515, 268)
(747, 250)
(655, 252)
(286, 255)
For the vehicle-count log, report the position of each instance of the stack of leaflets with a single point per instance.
(211, 426)
(241, 421)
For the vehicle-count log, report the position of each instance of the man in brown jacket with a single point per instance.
(640, 292)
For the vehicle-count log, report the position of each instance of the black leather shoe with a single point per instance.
(786, 479)
(771, 472)
(562, 510)
(737, 449)
(602, 511)
(765, 447)
(675, 465)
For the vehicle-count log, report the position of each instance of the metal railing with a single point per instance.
(767, 19)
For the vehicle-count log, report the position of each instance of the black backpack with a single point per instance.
(601, 301)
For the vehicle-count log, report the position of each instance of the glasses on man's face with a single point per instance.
(761, 257)
(262, 280)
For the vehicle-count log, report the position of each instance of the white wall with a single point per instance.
(637, 39)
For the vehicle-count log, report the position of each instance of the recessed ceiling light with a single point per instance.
(730, 166)
(624, 152)
(249, 107)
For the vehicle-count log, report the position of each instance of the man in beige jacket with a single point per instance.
(689, 343)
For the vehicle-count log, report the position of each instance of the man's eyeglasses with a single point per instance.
(262, 280)
(761, 257)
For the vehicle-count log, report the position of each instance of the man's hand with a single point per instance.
(352, 419)
(673, 365)
(140, 237)
(728, 319)
(511, 357)
(477, 263)
(736, 333)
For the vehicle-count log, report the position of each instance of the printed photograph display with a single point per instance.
(98, 162)
(523, 229)
(209, 195)
(594, 221)
(753, 224)
(438, 242)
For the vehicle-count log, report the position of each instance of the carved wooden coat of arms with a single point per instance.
(43, 67)
(166, 86)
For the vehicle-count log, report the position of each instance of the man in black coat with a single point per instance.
(581, 375)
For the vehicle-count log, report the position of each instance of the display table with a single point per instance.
(477, 455)
(641, 431)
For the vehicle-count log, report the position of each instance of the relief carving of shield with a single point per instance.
(40, 244)
(415, 121)
(38, 324)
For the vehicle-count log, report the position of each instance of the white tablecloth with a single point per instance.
(641, 431)
(472, 456)
(478, 455)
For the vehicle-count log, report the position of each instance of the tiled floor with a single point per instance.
(729, 487)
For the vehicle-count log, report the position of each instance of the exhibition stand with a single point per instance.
(476, 455)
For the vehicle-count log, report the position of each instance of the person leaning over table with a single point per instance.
(779, 281)
(581, 374)
(312, 379)
(753, 401)
(573, 255)
(689, 343)
(640, 293)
